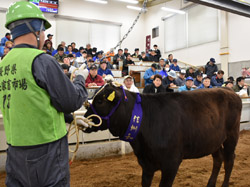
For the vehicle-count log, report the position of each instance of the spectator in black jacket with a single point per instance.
(74, 49)
(88, 49)
(127, 62)
(158, 52)
(211, 68)
(170, 59)
(144, 56)
(136, 54)
(118, 57)
(169, 81)
(126, 52)
(156, 87)
(190, 72)
(153, 57)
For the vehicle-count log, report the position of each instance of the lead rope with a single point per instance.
(76, 127)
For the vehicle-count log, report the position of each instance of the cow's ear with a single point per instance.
(113, 95)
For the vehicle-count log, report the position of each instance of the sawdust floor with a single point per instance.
(124, 171)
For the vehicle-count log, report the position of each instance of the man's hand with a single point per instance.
(82, 72)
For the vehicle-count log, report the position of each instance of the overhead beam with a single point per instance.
(156, 2)
(226, 5)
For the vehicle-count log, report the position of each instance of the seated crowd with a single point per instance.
(164, 75)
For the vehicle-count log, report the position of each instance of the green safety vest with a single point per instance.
(29, 117)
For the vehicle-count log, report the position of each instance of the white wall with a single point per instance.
(239, 38)
(197, 55)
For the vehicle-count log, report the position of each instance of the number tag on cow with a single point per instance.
(111, 97)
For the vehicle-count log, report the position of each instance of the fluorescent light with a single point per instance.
(98, 1)
(129, 1)
(173, 10)
(134, 8)
(167, 16)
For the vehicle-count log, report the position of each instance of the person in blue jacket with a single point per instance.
(205, 83)
(188, 85)
(164, 72)
(5, 39)
(149, 74)
(174, 66)
(103, 70)
(217, 80)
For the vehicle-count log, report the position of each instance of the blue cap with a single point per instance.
(212, 60)
(175, 60)
(189, 79)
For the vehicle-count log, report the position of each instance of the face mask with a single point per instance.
(166, 69)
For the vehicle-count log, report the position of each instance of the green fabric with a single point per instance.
(24, 10)
(29, 117)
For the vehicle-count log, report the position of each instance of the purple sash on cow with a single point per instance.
(135, 121)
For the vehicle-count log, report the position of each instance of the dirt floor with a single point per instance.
(124, 171)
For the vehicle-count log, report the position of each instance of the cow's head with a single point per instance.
(108, 102)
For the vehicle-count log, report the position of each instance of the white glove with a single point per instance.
(82, 72)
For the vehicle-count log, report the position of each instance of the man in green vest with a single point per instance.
(34, 95)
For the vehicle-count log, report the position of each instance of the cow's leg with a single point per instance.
(217, 161)
(168, 174)
(229, 148)
(147, 176)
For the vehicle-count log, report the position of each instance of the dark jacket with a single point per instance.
(145, 59)
(197, 83)
(136, 56)
(115, 61)
(166, 83)
(153, 58)
(158, 54)
(125, 66)
(152, 89)
(210, 70)
(188, 74)
(215, 81)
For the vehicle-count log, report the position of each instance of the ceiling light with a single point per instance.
(130, 1)
(166, 17)
(173, 10)
(134, 8)
(98, 1)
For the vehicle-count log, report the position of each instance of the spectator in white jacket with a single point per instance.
(128, 84)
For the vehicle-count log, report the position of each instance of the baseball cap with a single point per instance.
(154, 65)
(189, 79)
(212, 60)
(183, 71)
(93, 66)
(49, 35)
(128, 76)
(172, 73)
(103, 61)
(81, 48)
(175, 60)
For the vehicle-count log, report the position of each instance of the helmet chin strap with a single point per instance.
(36, 35)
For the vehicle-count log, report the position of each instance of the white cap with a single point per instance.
(172, 73)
